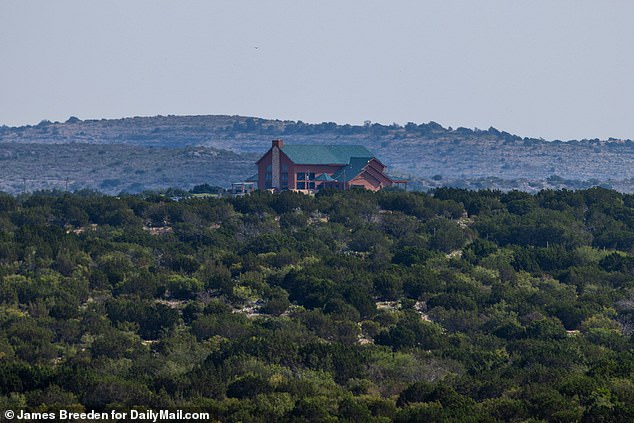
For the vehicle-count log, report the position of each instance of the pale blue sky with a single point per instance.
(552, 69)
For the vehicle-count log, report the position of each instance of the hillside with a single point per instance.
(427, 154)
(351, 306)
(113, 168)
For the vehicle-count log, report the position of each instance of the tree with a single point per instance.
(411, 331)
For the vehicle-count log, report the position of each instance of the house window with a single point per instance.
(311, 185)
(301, 176)
(311, 176)
(301, 185)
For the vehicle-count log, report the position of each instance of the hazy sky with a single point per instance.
(552, 69)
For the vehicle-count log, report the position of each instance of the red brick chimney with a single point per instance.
(278, 143)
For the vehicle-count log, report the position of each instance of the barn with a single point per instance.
(309, 168)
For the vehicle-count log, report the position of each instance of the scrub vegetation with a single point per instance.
(348, 306)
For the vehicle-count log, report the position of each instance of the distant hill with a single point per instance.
(153, 152)
(113, 168)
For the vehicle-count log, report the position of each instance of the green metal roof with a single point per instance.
(350, 171)
(325, 154)
(325, 177)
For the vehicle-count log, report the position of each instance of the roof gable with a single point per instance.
(350, 171)
(325, 177)
(325, 154)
